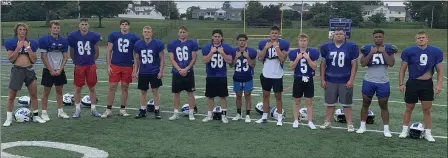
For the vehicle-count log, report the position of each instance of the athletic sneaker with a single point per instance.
(174, 117)
(96, 113)
(350, 128)
(295, 124)
(77, 114)
(38, 119)
(123, 113)
(279, 123)
(206, 119)
(191, 117)
(157, 114)
(247, 119)
(261, 121)
(7, 123)
(141, 113)
(387, 134)
(311, 125)
(237, 117)
(107, 113)
(429, 137)
(361, 130)
(45, 117)
(224, 119)
(326, 125)
(404, 134)
(62, 115)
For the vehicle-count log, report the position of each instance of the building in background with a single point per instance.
(137, 10)
(392, 13)
(232, 14)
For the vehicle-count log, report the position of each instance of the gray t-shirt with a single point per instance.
(377, 74)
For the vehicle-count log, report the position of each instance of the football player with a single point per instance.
(120, 60)
(148, 68)
(215, 56)
(303, 63)
(244, 63)
(21, 53)
(54, 49)
(273, 53)
(183, 56)
(421, 59)
(84, 51)
(337, 73)
(377, 57)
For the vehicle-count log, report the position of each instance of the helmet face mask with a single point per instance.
(274, 113)
(339, 116)
(150, 106)
(417, 131)
(370, 117)
(303, 114)
(217, 113)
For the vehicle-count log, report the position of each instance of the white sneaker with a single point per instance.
(279, 123)
(206, 119)
(7, 123)
(45, 117)
(174, 117)
(429, 137)
(326, 125)
(261, 121)
(38, 119)
(123, 113)
(247, 120)
(311, 125)
(63, 115)
(295, 124)
(387, 134)
(361, 130)
(350, 128)
(107, 113)
(224, 119)
(404, 134)
(191, 117)
(237, 117)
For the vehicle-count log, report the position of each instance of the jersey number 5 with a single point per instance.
(341, 57)
(182, 53)
(147, 56)
(123, 45)
(84, 48)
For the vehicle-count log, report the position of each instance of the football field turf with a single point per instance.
(128, 137)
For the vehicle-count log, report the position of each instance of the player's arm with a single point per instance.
(31, 49)
(366, 59)
(162, 61)
(292, 65)
(72, 53)
(206, 59)
(173, 62)
(227, 57)
(390, 59)
(312, 63)
(354, 69)
(193, 60)
(64, 60)
(44, 59)
(282, 54)
(97, 50)
(439, 69)
(323, 65)
(136, 61)
(262, 54)
(13, 53)
(109, 53)
(251, 61)
(403, 68)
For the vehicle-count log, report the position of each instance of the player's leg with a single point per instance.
(114, 78)
(248, 87)
(238, 89)
(59, 83)
(176, 88)
(210, 93)
(155, 84)
(30, 83)
(190, 87)
(411, 98)
(191, 105)
(426, 96)
(10, 105)
(278, 89)
(346, 99)
(143, 86)
(266, 85)
(126, 79)
(383, 93)
(309, 94)
(368, 90)
(15, 84)
(92, 80)
(79, 81)
(331, 98)
(223, 93)
(47, 82)
(297, 94)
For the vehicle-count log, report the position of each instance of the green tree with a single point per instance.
(253, 13)
(226, 5)
(377, 18)
(373, 3)
(346, 9)
(102, 9)
(431, 11)
(190, 11)
(166, 8)
(52, 7)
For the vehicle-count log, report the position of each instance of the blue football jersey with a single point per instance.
(11, 44)
(339, 61)
(182, 53)
(420, 60)
(123, 48)
(271, 52)
(84, 47)
(378, 59)
(244, 72)
(149, 59)
(302, 67)
(217, 67)
(48, 43)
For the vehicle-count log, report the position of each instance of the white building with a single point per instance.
(136, 10)
(392, 13)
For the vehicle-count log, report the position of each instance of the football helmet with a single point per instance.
(274, 113)
(24, 101)
(85, 101)
(370, 117)
(259, 108)
(22, 114)
(186, 109)
(303, 114)
(417, 131)
(68, 99)
(217, 113)
(150, 106)
(339, 116)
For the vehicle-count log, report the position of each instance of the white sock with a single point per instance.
(8, 115)
(386, 128)
(363, 124)
(44, 111)
(156, 107)
(310, 123)
(280, 117)
(78, 107)
(428, 131)
(265, 116)
(143, 107)
(296, 121)
(191, 112)
(93, 107)
(176, 111)
(209, 114)
(60, 110)
(35, 111)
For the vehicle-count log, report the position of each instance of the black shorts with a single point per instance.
(49, 81)
(303, 89)
(216, 87)
(144, 80)
(180, 83)
(271, 83)
(422, 90)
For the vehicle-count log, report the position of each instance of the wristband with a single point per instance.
(400, 85)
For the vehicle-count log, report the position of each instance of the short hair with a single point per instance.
(54, 22)
(183, 28)
(275, 28)
(421, 33)
(83, 20)
(303, 36)
(339, 29)
(17, 27)
(219, 31)
(378, 31)
(125, 21)
(241, 36)
(147, 27)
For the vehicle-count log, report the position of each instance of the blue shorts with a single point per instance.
(243, 86)
(382, 90)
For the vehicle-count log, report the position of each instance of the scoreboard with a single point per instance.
(335, 23)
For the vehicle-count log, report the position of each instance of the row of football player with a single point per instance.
(337, 77)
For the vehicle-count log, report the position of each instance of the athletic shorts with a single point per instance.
(338, 93)
(120, 73)
(268, 84)
(48, 80)
(20, 75)
(181, 83)
(422, 90)
(382, 90)
(144, 80)
(85, 74)
(301, 88)
(216, 87)
(243, 86)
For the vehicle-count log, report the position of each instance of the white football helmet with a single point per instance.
(274, 113)
(217, 113)
(185, 109)
(67, 99)
(24, 101)
(259, 108)
(303, 114)
(85, 101)
(150, 106)
(417, 131)
(339, 116)
(22, 115)
(370, 117)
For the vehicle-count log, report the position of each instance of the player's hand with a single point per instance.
(402, 88)
(246, 54)
(238, 54)
(57, 72)
(323, 84)
(20, 45)
(438, 89)
(109, 70)
(134, 75)
(268, 45)
(382, 49)
(349, 84)
(160, 75)
(299, 56)
(221, 50)
(306, 55)
(275, 44)
(213, 50)
(183, 72)
(373, 50)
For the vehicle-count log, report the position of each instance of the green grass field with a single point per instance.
(128, 137)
